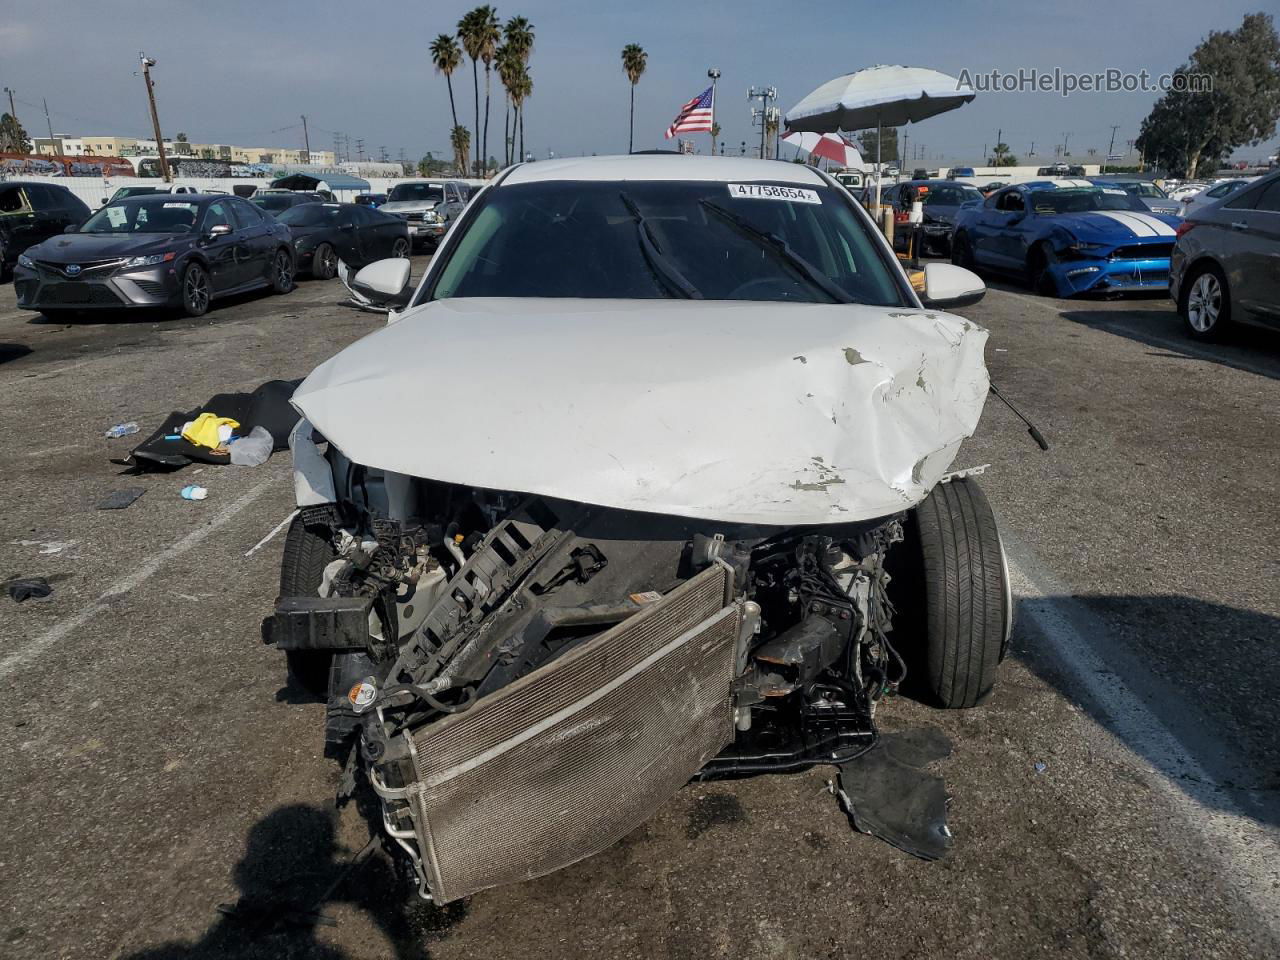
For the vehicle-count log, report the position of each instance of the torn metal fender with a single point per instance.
(745, 412)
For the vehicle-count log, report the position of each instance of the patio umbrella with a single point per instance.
(876, 97)
(830, 145)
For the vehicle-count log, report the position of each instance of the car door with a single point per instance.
(1009, 243)
(257, 245)
(986, 227)
(19, 226)
(347, 236)
(383, 230)
(55, 208)
(225, 272)
(1252, 257)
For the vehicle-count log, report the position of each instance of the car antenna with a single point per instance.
(1036, 435)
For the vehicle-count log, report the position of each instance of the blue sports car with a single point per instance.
(1067, 237)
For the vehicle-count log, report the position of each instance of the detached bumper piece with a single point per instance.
(320, 623)
(567, 760)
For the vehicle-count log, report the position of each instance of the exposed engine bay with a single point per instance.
(523, 680)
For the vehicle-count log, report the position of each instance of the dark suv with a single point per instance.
(31, 212)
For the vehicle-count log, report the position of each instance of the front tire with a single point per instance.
(961, 590)
(196, 290)
(306, 554)
(282, 272)
(324, 262)
(1040, 273)
(400, 249)
(1205, 304)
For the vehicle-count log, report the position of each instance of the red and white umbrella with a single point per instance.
(830, 145)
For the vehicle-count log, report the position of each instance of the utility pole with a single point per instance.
(764, 95)
(147, 64)
(906, 138)
(1066, 138)
(1114, 128)
(382, 155)
(714, 74)
(1032, 151)
(49, 123)
(306, 140)
(360, 148)
(337, 147)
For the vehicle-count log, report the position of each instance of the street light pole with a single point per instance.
(306, 140)
(1110, 147)
(147, 64)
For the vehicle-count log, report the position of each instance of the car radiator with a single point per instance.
(567, 760)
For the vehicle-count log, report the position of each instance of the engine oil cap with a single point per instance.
(363, 694)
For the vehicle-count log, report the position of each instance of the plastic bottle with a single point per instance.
(121, 430)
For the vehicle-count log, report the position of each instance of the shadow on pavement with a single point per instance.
(1251, 349)
(12, 351)
(289, 873)
(1212, 725)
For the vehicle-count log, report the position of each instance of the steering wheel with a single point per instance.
(782, 289)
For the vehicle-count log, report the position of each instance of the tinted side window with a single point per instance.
(13, 201)
(1269, 198)
(217, 213)
(247, 215)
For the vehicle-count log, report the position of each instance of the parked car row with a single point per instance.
(1220, 264)
(184, 250)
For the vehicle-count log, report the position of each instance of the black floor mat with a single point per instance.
(268, 406)
(887, 792)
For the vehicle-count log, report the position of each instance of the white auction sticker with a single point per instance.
(1113, 191)
(767, 191)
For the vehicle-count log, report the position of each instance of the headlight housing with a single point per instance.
(431, 217)
(1081, 249)
(25, 261)
(149, 261)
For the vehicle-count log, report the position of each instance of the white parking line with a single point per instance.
(63, 628)
(267, 539)
(1188, 346)
(1248, 851)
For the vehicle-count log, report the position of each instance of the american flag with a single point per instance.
(694, 116)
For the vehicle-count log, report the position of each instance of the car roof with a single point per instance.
(1056, 184)
(672, 167)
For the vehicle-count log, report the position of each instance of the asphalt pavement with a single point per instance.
(1118, 796)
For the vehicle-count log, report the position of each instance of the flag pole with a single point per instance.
(714, 74)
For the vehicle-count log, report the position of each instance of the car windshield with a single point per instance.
(950, 196)
(310, 214)
(655, 239)
(273, 202)
(156, 214)
(422, 192)
(1144, 189)
(132, 192)
(1047, 203)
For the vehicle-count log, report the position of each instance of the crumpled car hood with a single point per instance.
(745, 412)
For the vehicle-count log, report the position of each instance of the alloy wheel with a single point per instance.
(195, 291)
(400, 249)
(1204, 303)
(283, 272)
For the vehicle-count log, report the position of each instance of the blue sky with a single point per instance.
(237, 72)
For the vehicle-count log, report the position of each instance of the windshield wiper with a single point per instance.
(668, 272)
(781, 249)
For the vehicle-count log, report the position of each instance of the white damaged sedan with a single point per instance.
(647, 481)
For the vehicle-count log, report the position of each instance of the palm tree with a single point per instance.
(469, 31)
(522, 92)
(507, 62)
(446, 57)
(518, 34)
(480, 33)
(634, 60)
(460, 138)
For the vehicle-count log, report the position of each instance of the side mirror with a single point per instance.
(105, 201)
(383, 284)
(947, 286)
(71, 228)
(219, 230)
